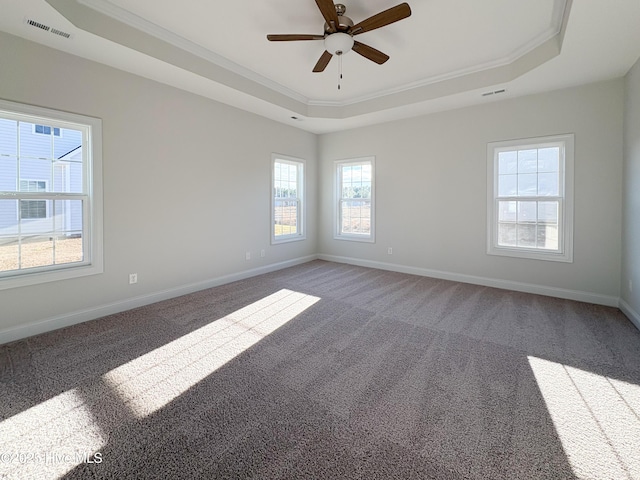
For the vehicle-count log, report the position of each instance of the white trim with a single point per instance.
(566, 142)
(73, 318)
(631, 314)
(91, 128)
(555, 30)
(337, 197)
(132, 20)
(595, 298)
(301, 180)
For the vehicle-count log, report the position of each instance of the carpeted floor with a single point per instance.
(329, 371)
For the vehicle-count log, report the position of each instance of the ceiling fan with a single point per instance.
(339, 31)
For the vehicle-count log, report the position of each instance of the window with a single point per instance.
(50, 195)
(33, 208)
(46, 130)
(287, 199)
(355, 199)
(530, 198)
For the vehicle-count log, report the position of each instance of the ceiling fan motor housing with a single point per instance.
(344, 22)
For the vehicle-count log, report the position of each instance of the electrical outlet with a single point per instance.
(247, 256)
(390, 251)
(262, 253)
(133, 278)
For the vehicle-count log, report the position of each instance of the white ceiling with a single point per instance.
(445, 55)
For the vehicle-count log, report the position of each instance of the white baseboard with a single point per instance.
(72, 318)
(630, 313)
(588, 297)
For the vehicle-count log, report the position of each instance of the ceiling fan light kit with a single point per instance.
(338, 43)
(340, 30)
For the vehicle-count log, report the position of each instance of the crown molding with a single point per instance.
(554, 33)
(103, 18)
(117, 13)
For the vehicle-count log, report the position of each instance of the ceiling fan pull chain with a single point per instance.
(339, 71)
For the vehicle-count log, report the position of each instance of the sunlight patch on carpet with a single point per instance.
(154, 379)
(50, 439)
(596, 418)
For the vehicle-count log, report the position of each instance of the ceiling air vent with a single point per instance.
(61, 33)
(46, 28)
(495, 92)
(39, 25)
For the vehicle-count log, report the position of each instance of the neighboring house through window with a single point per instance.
(33, 208)
(50, 195)
(287, 199)
(530, 198)
(355, 199)
(46, 130)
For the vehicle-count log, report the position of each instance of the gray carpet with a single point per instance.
(329, 371)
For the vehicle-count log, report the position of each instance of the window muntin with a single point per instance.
(530, 201)
(50, 195)
(287, 199)
(355, 199)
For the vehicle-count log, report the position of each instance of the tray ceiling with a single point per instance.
(447, 54)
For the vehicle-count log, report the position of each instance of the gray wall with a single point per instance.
(431, 191)
(186, 184)
(186, 188)
(631, 203)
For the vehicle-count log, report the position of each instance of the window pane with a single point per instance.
(356, 217)
(548, 212)
(508, 163)
(285, 217)
(507, 185)
(548, 184)
(8, 173)
(34, 144)
(507, 234)
(547, 237)
(527, 184)
(66, 145)
(366, 174)
(507, 211)
(8, 137)
(527, 212)
(549, 159)
(36, 251)
(67, 217)
(9, 211)
(526, 235)
(527, 161)
(9, 254)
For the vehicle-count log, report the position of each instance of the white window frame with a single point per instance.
(350, 236)
(564, 253)
(92, 235)
(301, 231)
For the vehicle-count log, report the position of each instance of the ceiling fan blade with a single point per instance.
(286, 37)
(328, 10)
(382, 19)
(323, 62)
(369, 52)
